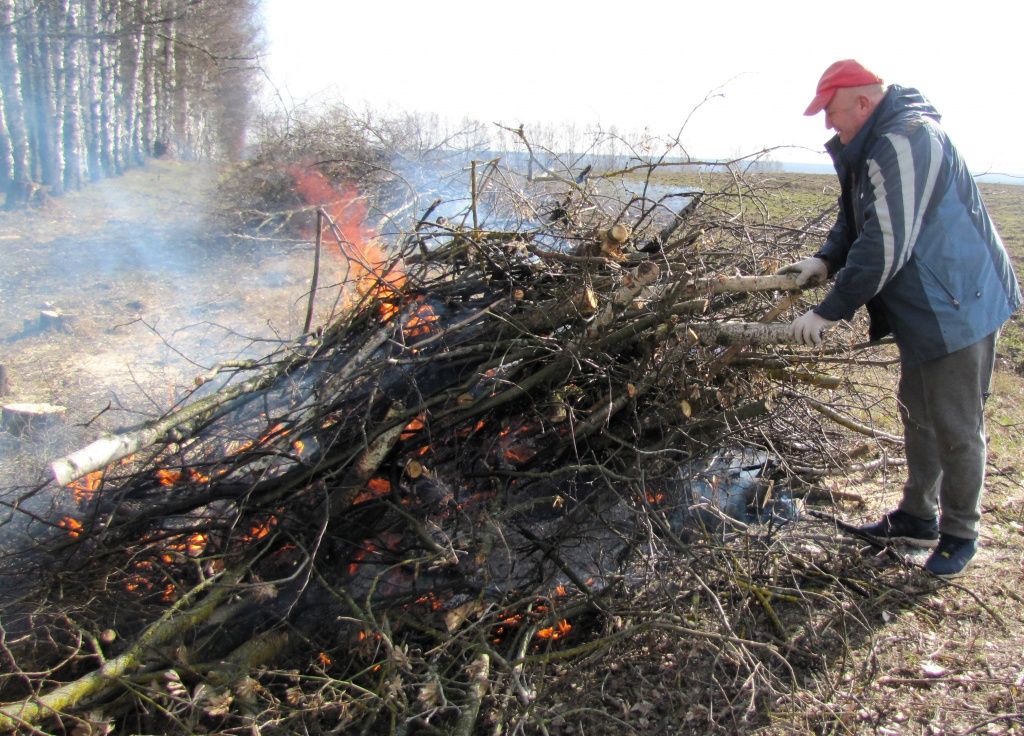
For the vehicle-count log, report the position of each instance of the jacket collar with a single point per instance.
(852, 154)
(899, 105)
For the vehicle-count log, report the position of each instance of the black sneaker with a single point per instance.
(951, 557)
(899, 527)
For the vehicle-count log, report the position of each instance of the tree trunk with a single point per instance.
(18, 189)
(165, 85)
(5, 150)
(147, 130)
(91, 91)
(183, 142)
(25, 48)
(133, 14)
(47, 108)
(108, 112)
(72, 130)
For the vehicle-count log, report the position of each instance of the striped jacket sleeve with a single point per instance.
(902, 169)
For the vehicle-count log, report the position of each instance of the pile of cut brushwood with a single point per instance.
(553, 427)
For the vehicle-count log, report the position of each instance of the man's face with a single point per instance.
(847, 113)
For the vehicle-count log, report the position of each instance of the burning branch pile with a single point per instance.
(535, 412)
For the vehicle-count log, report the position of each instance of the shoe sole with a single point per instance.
(909, 541)
(949, 575)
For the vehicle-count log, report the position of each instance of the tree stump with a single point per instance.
(54, 319)
(21, 419)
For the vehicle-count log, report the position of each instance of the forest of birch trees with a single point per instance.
(89, 88)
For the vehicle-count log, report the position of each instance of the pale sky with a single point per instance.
(646, 64)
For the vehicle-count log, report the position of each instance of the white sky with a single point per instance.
(646, 64)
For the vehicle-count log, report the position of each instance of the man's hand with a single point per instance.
(807, 328)
(810, 271)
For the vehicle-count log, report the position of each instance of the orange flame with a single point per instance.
(353, 566)
(373, 273)
(193, 545)
(85, 488)
(260, 531)
(168, 477)
(420, 322)
(73, 526)
(558, 631)
(196, 544)
(429, 599)
(413, 427)
(519, 455)
(375, 488)
(655, 498)
(514, 451)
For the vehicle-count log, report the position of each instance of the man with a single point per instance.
(914, 244)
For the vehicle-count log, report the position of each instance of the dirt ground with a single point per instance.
(151, 299)
(156, 299)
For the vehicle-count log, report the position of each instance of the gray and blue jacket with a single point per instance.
(913, 240)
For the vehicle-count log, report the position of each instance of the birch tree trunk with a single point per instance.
(148, 102)
(72, 117)
(5, 150)
(45, 119)
(108, 112)
(165, 75)
(130, 54)
(26, 33)
(180, 103)
(90, 91)
(14, 111)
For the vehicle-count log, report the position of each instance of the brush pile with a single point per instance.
(534, 431)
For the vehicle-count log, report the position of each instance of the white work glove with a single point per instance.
(807, 328)
(810, 271)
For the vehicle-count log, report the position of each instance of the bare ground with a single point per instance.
(153, 299)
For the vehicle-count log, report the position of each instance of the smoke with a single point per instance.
(147, 298)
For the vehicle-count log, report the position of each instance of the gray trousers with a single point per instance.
(942, 403)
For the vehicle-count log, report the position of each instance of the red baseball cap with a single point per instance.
(845, 73)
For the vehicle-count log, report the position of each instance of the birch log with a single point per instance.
(741, 284)
(634, 283)
(743, 333)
